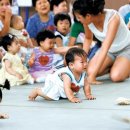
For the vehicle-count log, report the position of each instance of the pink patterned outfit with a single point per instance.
(43, 64)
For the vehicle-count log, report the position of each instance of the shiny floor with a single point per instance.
(62, 115)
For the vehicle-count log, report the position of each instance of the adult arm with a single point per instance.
(88, 39)
(6, 22)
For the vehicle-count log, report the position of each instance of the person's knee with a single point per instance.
(38, 90)
(116, 77)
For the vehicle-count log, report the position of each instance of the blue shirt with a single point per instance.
(35, 25)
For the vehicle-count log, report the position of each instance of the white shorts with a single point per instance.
(53, 88)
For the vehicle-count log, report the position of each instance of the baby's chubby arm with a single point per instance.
(31, 60)
(63, 50)
(87, 90)
(67, 87)
(10, 70)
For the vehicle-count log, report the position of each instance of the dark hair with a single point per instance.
(6, 86)
(56, 3)
(71, 53)
(61, 16)
(34, 2)
(41, 36)
(84, 7)
(7, 41)
(10, 2)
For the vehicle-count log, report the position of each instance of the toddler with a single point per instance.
(66, 82)
(63, 23)
(17, 29)
(41, 60)
(12, 67)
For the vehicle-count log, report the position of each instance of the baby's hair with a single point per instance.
(71, 53)
(10, 1)
(13, 20)
(61, 16)
(7, 41)
(34, 2)
(93, 7)
(56, 3)
(41, 36)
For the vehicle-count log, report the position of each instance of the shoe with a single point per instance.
(123, 101)
(30, 80)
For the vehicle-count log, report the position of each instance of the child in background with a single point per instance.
(66, 82)
(63, 24)
(12, 67)
(41, 20)
(17, 29)
(41, 60)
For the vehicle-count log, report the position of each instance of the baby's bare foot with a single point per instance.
(4, 116)
(33, 95)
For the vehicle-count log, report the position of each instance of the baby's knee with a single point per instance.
(38, 90)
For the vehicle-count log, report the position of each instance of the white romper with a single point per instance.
(54, 87)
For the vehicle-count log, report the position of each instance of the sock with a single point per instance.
(40, 80)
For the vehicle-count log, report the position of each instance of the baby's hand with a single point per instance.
(19, 76)
(90, 97)
(75, 100)
(30, 62)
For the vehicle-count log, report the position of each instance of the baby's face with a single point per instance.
(63, 26)
(19, 24)
(47, 45)
(15, 46)
(80, 64)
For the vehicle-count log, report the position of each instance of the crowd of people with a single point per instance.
(63, 48)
